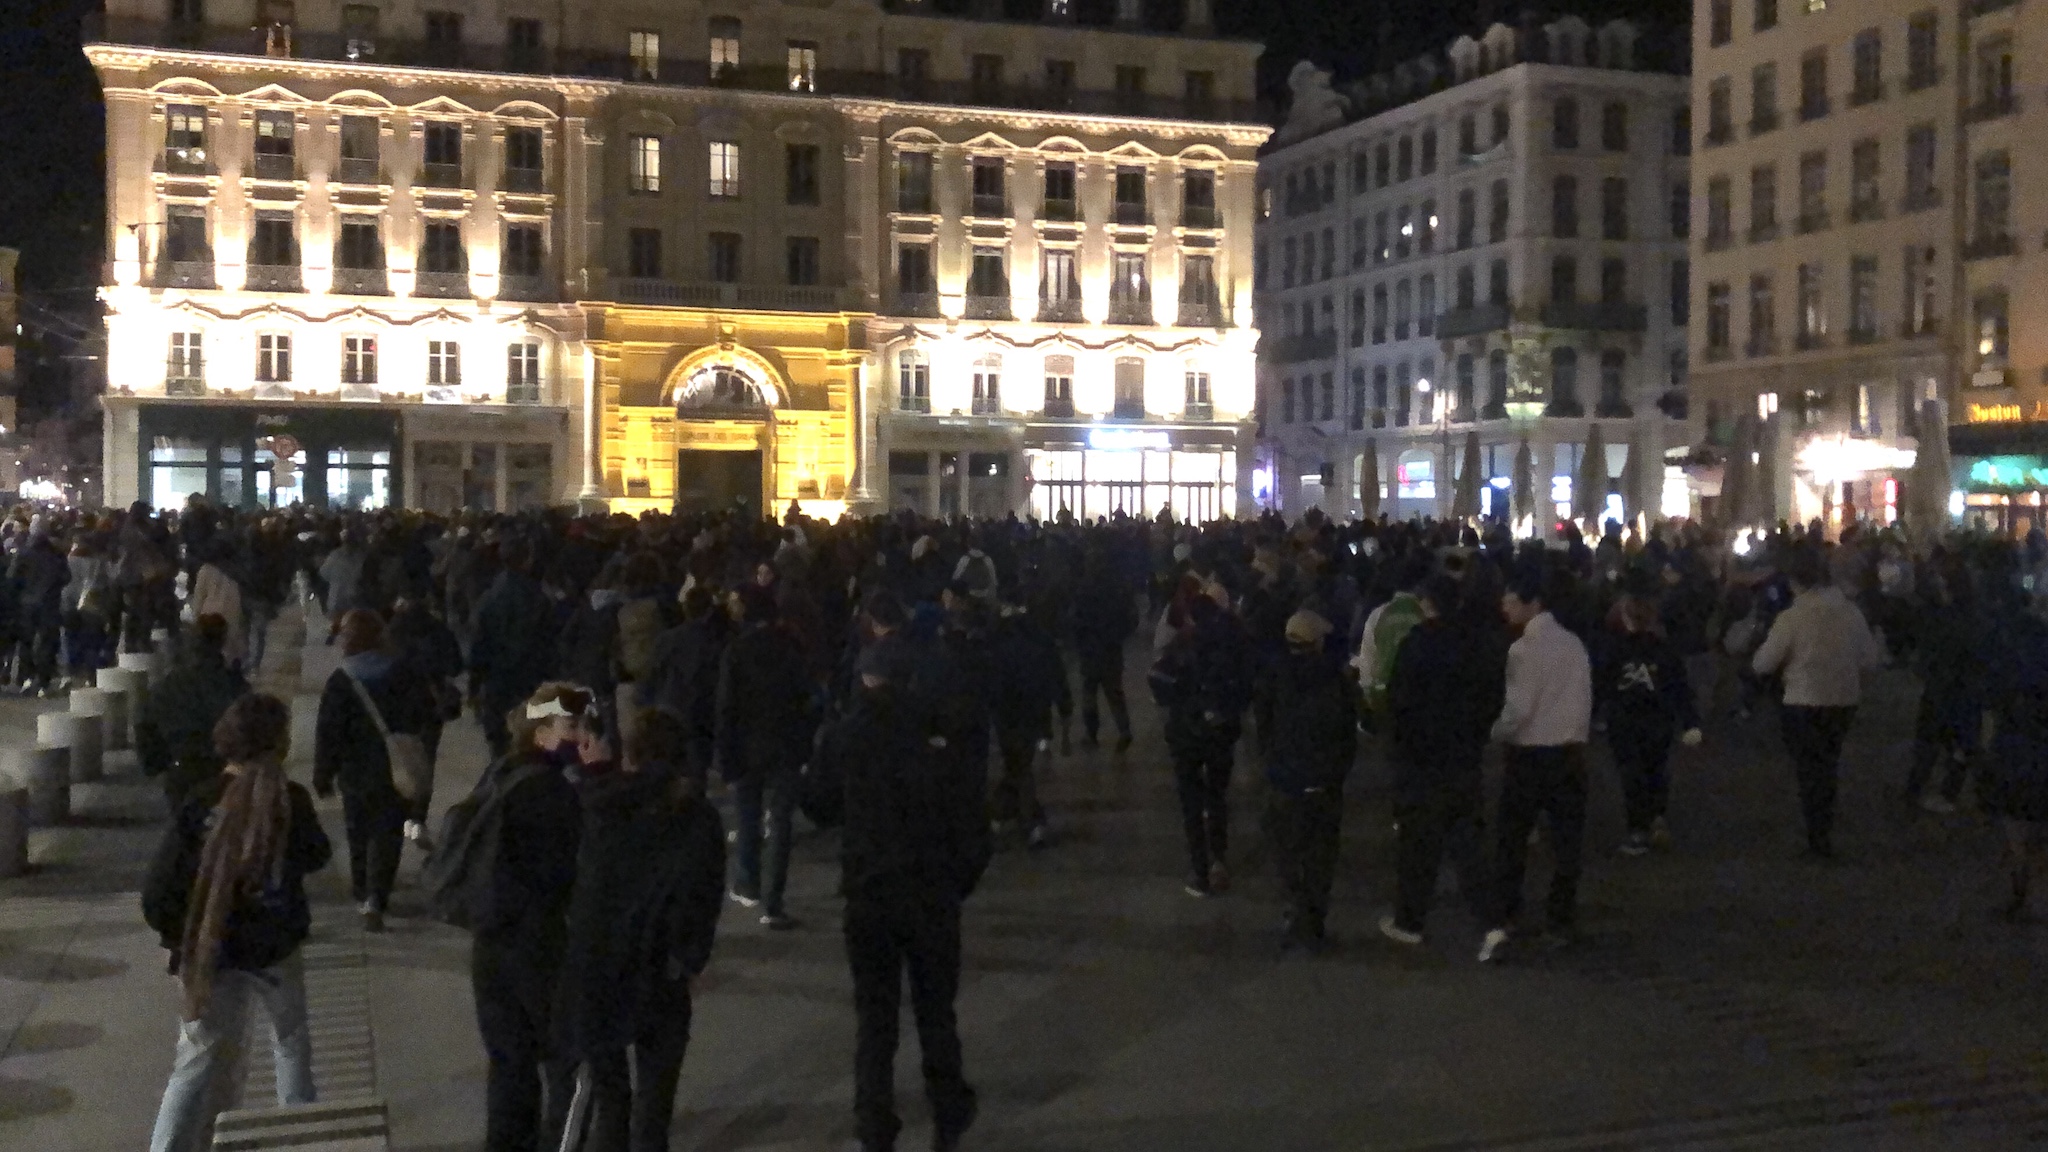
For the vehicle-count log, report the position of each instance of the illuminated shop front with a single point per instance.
(1090, 472)
(2000, 475)
(241, 457)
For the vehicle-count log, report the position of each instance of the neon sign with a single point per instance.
(2009, 472)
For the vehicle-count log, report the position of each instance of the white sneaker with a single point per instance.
(1496, 939)
(1398, 934)
(1938, 804)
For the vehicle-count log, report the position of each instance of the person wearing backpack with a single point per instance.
(1385, 627)
(650, 882)
(372, 695)
(226, 895)
(505, 869)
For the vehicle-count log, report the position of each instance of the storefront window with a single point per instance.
(529, 476)
(358, 479)
(280, 472)
(1415, 478)
(178, 469)
(1194, 485)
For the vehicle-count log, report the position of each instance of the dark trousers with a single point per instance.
(490, 715)
(375, 822)
(1642, 759)
(888, 935)
(1540, 780)
(1813, 738)
(1103, 672)
(770, 793)
(430, 735)
(528, 1086)
(1305, 834)
(1203, 780)
(1945, 732)
(1015, 796)
(633, 1090)
(1442, 818)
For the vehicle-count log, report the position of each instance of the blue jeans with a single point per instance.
(210, 1053)
(772, 792)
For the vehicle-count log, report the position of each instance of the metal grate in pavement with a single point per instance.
(338, 1013)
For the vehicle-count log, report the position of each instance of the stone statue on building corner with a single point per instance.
(1315, 106)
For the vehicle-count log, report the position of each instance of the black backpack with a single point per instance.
(457, 876)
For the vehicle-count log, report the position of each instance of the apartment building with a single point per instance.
(1829, 183)
(451, 255)
(1489, 243)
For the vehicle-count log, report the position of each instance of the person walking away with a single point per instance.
(371, 694)
(685, 677)
(226, 894)
(1822, 646)
(763, 733)
(84, 607)
(1385, 627)
(40, 572)
(1315, 739)
(1642, 690)
(1206, 675)
(650, 882)
(1546, 713)
(1447, 686)
(1103, 622)
(429, 649)
(216, 592)
(1024, 669)
(1948, 650)
(914, 846)
(589, 645)
(514, 649)
(267, 583)
(342, 572)
(520, 922)
(174, 734)
(2014, 784)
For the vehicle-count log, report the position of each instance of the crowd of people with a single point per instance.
(906, 682)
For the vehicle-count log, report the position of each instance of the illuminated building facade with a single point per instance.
(1487, 244)
(375, 254)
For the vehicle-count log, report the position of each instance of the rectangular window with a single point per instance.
(725, 257)
(273, 152)
(987, 180)
(1614, 208)
(725, 47)
(185, 235)
(1130, 195)
(1763, 99)
(1381, 248)
(913, 382)
(1813, 84)
(1379, 313)
(802, 261)
(1920, 294)
(1497, 282)
(1129, 287)
(1198, 199)
(724, 157)
(1614, 126)
(1426, 243)
(1681, 130)
(914, 182)
(914, 270)
(1404, 233)
(185, 138)
(1059, 203)
(1720, 112)
(1867, 82)
(1766, 15)
(803, 65)
(1425, 305)
(1921, 190)
(187, 360)
(1059, 284)
(1992, 198)
(1763, 203)
(522, 372)
(1681, 292)
(643, 55)
(523, 159)
(1429, 151)
(1763, 317)
(522, 255)
(441, 154)
(1718, 332)
(1863, 322)
(913, 71)
(272, 242)
(1130, 87)
(1129, 382)
(441, 247)
(985, 78)
(444, 37)
(1468, 294)
(1404, 309)
(444, 364)
(643, 253)
(1720, 227)
(1993, 331)
(1564, 124)
(1923, 58)
(1614, 280)
(359, 150)
(358, 360)
(1382, 164)
(1993, 94)
(1404, 158)
(1564, 280)
(1497, 213)
(643, 158)
(1564, 207)
(1467, 218)
(1681, 209)
(1811, 314)
(1865, 199)
(1720, 22)
(357, 244)
(986, 276)
(1813, 191)
(800, 169)
(1199, 87)
(273, 358)
(523, 52)
(1060, 83)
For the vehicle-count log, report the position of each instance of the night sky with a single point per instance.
(51, 135)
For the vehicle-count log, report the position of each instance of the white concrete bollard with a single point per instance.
(79, 735)
(13, 828)
(45, 771)
(126, 691)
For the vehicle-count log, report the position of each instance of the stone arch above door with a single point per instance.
(720, 380)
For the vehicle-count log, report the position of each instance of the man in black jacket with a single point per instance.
(1210, 667)
(514, 650)
(1103, 621)
(685, 677)
(914, 847)
(1448, 683)
(174, 736)
(1024, 672)
(1315, 738)
(763, 733)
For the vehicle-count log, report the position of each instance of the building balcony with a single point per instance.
(273, 166)
(1866, 210)
(1924, 330)
(1058, 212)
(1866, 94)
(1719, 241)
(990, 207)
(361, 282)
(185, 378)
(1613, 408)
(187, 162)
(1989, 247)
(524, 180)
(1128, 408)
(1596, 315)
(1130, 312)
(920, 404)
(1203, 217)
(184, 274)
(273, 278)
(917, 304)
(358, 170)
(441, 285)
(1763, 233)
(1809, 341)
(1920, 199)
(1129, 215)
(440, 176)
(1759, 125)
(1564, 407)
(2002, 105)
(521, 287)
(714, 294)
(1060, 311)
(1984, 7)
(1294, 349)
(1200, 315)
(1865, 335)
(1198, 412)
(988, 406)
(1811, 222)
(1057, 409)
(1472, 321)
(1719, 134)
(528, 392)
(988, 307)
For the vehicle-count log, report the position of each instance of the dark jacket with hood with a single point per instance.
(1315, 723)
(1211, 667)
(1448, 686)
(1641, 687)
(261, 931)
(650, 881)
(514, 648)
(765, 701)
(348, 750)
(174, 736)
(916, 819)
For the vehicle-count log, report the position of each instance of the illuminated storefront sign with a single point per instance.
(1127, 439)
(1993, 413)
(2009, 472)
